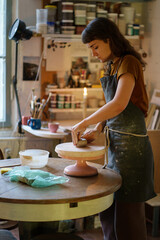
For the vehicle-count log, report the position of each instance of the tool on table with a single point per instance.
(82, 142)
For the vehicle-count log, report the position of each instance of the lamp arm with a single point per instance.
(16, 92)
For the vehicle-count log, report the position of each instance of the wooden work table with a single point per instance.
(79, 197)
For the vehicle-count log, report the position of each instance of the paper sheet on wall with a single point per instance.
(58, 60)
(61, 58)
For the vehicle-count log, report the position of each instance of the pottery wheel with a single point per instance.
(81, 155)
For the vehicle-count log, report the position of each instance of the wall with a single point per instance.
(16, 144)
(26, 11)
(151, 44)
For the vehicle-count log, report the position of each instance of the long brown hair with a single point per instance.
(103, 29)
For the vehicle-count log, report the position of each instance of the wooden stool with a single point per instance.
(155, 203)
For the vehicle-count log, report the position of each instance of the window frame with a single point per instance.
(7, 102)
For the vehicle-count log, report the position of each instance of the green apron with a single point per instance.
(130, 155)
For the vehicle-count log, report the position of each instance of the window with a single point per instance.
(5, 63)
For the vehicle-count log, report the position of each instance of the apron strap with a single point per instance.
(107, 140)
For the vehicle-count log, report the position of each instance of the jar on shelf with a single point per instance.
(137, 18)
(141, 30)
(67, 14)
(68, 30)
(130, 29)
(136, 28)
(122, 24)
(80, 9)
(67, 5)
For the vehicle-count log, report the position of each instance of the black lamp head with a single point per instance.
(18, 31)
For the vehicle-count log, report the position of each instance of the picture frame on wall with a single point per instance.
(30, 68)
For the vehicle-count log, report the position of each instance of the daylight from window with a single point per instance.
(2, 60)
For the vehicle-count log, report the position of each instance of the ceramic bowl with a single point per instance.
(34, 158)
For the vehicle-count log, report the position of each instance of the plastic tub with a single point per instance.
(80, 20)
(53, 104)
(68, 29)
(51, 13)
(34, 158)
(67, 5)
(67, 14)
(67, 104)
(67, 22)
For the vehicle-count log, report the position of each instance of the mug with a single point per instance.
(34, 123)
(25, 120)
(53, 126)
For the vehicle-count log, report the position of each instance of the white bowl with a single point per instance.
(34, 158)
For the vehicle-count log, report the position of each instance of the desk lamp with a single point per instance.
(18, 32)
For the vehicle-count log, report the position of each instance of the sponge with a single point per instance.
(4, 170)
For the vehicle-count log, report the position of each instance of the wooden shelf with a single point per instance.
(66, 110)
(74, 37)
(67, 90)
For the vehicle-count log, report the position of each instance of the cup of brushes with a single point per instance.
(37, 109)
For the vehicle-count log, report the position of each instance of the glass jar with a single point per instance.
(122, 24)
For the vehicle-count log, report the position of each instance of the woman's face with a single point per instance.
(100, 50)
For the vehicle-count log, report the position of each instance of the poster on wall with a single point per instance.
(30, 68)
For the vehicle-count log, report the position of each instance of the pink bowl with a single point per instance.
(53, 127)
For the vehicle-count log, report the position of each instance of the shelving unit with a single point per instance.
(71, 110)
(75, 37)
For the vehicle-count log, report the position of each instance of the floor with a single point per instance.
(96, 234)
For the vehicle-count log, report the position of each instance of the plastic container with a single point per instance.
(67, 104)
(91, 8)
(80, 6)
(41, 20)
(102, 13)
(34, 158)
(129, 13)
(60, 104)
(67, 22)
(122, 24)
(61, 97)
(50, 27)
(113, 17)
(136, 29)
(141, 30)
(68, 30)
(68, 97)
(51, 13)
(130, 29)
(80, 20)
(53, 104)
(53, 97)
(67, 14)
(67, 5)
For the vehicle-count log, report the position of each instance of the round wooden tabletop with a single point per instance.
(79, 197)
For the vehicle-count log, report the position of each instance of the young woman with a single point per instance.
(123, 117)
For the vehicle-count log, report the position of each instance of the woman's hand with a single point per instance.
(91, 135)
(77, 131)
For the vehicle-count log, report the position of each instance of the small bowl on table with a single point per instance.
(53, 126)
(34, 158)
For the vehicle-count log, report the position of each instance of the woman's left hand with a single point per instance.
(77, 131)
